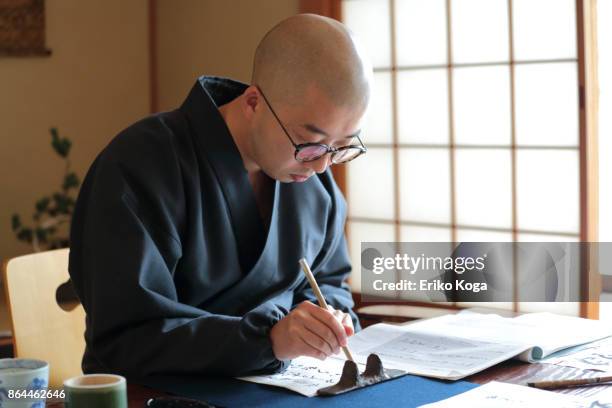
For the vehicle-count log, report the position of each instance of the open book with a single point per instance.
(448, 347)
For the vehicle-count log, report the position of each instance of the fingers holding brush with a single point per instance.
(345, 320)
(307, 331)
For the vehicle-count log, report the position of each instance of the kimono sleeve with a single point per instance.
(124, 249)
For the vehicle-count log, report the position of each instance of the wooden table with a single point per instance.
(512, 371)
(137, 396)
(515, 372)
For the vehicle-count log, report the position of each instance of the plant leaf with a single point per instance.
(70, 181)
(41, 234)
(62, 203)
(55, 142)
(42, 204)
(66, 144)
(16, 222)
(25, 235)
(61, 145)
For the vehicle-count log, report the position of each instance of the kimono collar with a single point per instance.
(216, 144)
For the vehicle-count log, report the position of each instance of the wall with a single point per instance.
(94, 84)
(210, 37)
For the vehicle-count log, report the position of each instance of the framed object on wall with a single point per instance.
(22, 28)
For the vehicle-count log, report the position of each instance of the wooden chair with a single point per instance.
(41, 328)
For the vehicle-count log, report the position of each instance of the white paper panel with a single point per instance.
(548, 190)
(365, 232)
(414, 233)
(377, 125)
(480, 30)
(605, 307)
(475, 235)
(564, 308)
(478, 306)
(423, 106)
(546, 104)
(482, 105)
(544, 29)
(370, 185)
(370, 22)
(546, 238)
(424, 185)
(416, 20)
(483, 187)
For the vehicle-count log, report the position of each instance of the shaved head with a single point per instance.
(310, 51)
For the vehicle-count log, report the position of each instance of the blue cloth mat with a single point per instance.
(407, 391)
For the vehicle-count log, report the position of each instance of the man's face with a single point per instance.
(315, 120)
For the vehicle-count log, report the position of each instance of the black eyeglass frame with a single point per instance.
(329, 149)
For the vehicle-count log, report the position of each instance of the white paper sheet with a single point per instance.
(427, 354)
(593, 356)
(448, 347)
(502, 395)
(305, 375)
(602, 398)
(543, 333)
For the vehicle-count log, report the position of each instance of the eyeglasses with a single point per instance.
(307, 152)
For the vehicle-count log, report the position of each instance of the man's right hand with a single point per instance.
(308, 331)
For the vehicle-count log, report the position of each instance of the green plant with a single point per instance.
(53, 210)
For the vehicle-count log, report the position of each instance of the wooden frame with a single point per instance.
(332, 9)
(328, 8)
(153, 93)
(586, 19)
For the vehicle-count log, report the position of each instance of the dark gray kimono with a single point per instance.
(171, 260)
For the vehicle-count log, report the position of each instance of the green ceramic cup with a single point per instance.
(96, 391)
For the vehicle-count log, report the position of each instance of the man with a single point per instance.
(190, 224)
